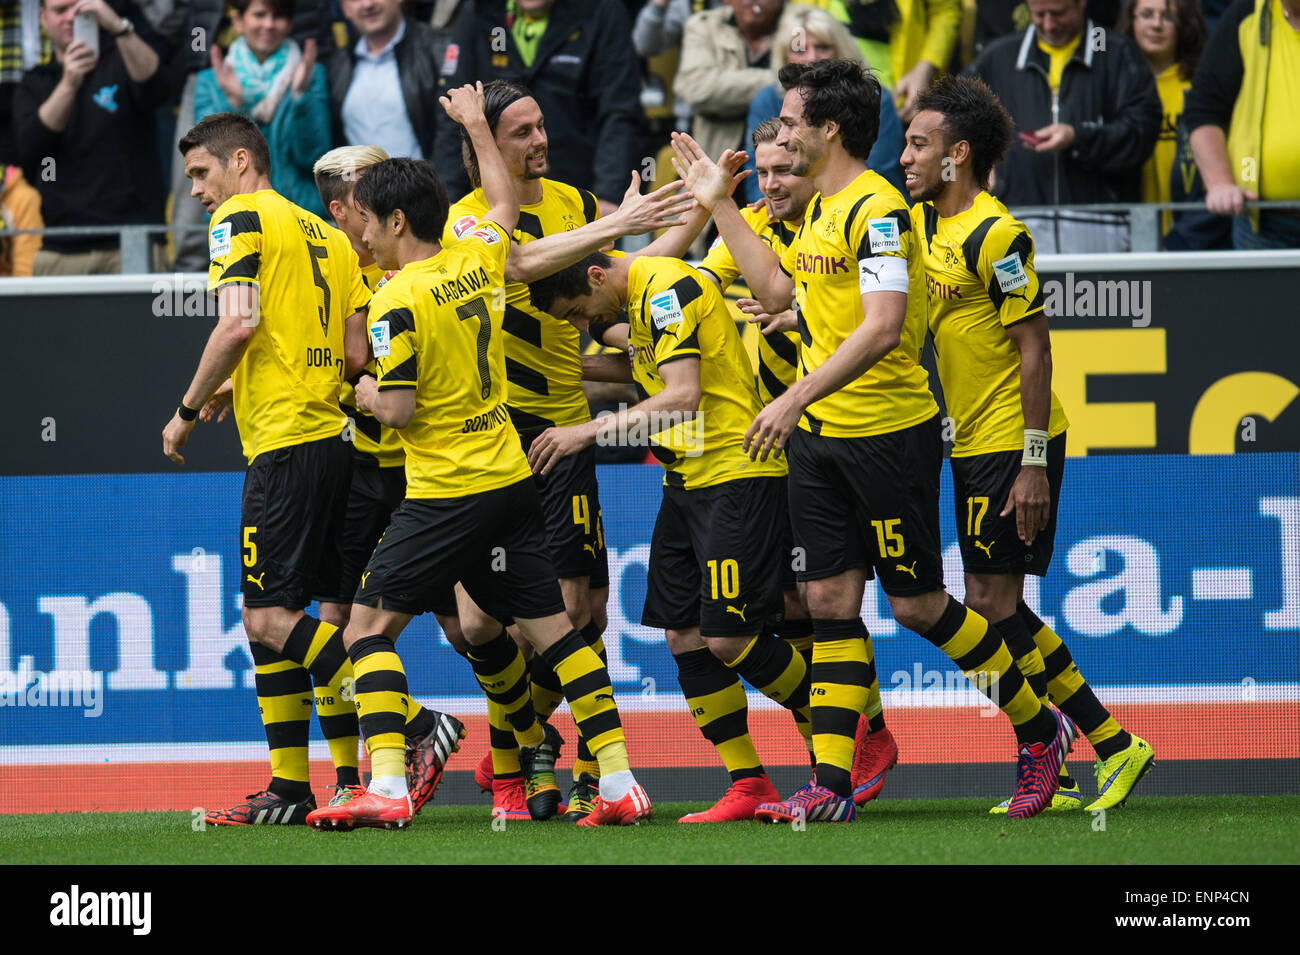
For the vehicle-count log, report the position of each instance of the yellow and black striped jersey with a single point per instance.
(288, 381)
(436, 327)
(778, 353)
(379, 442)
(842, 252)
(543, 354)
(677, 313)
(979, 280)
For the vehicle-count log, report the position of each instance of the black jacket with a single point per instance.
(1107, 94)
(104, 168)
(417, 68)
(586, 78)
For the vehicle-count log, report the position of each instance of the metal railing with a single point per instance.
(1143, 221)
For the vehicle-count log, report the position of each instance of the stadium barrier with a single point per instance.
(125, 682)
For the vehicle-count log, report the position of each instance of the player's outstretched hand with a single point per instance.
(710, 182)
(174, 437)
(553, 444)
(664, 207)
(785, 322)
(771, 429)
(465, 104)
(220, 404)
(1030, 500)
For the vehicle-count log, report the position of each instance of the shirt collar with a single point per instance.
(362, 49)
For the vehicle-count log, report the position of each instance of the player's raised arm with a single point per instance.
(637, 214)
(466, 106)
(711, 186)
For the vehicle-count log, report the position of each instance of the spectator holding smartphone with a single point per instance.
(1088, 114)
(87, 135)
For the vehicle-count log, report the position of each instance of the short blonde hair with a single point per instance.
(798, 20)
(336, 172)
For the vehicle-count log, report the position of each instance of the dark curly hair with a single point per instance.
(1190, 32)
(971, 112)
(567, 283)
(842, 92)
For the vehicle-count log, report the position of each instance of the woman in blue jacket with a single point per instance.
(266, 76)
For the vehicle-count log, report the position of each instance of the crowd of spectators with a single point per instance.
(1115, 101)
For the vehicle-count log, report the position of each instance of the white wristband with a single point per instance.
(1035, 448)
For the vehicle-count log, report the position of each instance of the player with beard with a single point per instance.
(544, 371)
(1008, 456)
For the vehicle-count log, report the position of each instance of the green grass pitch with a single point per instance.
(1190, 829)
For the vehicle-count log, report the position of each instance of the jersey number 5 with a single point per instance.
(316, 253)
(477, 308)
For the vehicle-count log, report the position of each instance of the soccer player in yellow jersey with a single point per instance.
(544, 389)
(995, 364)
(287, 284)
(860, 430)
(471, 513)
(378, 485)
(786, 200)
(721, 535)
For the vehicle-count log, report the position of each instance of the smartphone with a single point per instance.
(85, 27)
(1030, 139)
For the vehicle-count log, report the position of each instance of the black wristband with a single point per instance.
(185, 413)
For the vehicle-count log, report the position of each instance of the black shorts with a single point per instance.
(570, 499)
(715, 558)
(493, 543)
(291, 524)
(870, 503)
(989, 543)
(374, 495)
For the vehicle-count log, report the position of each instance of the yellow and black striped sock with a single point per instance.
(717, 702)
(503, 675)
(1021, 644)
(419, 722)
(978, 648)
(841, 673)
(546, 690)
(284, 702)
(1071, 692)
(591, 699)
(772, 667)
(338, 724)
(318, 647)
(501, 740)
(383, 701)
(799, 634)
(585, 762)
(875, 711)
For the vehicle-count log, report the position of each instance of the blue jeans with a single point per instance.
(1276, 231)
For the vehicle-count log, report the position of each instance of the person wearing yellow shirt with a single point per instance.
(1171, 37)
(1241, 113)
(986, 312)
